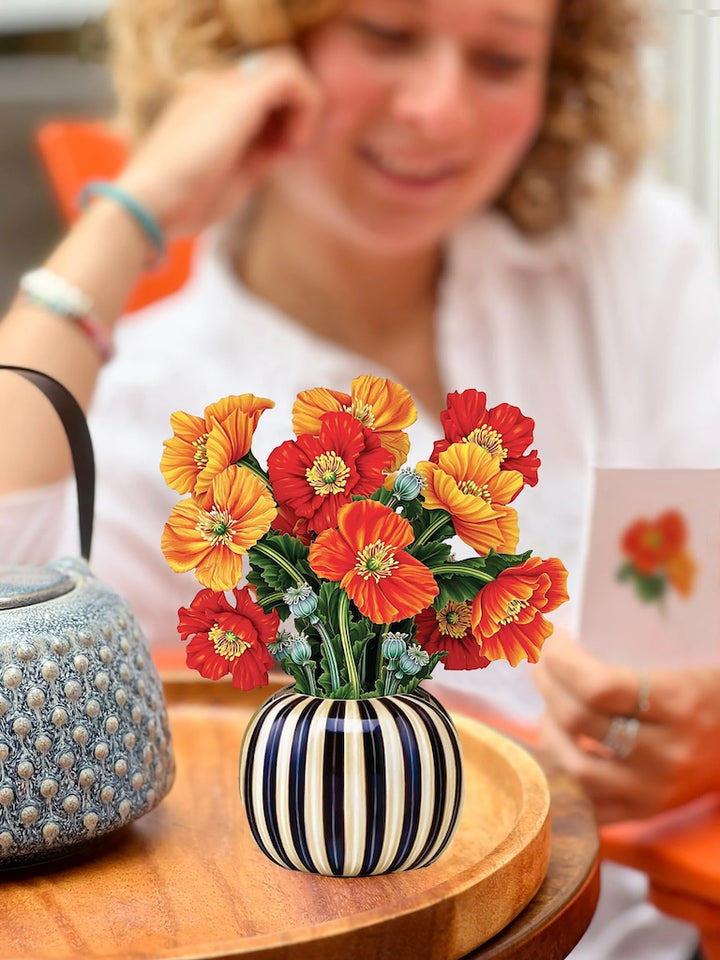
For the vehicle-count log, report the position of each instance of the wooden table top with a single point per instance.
(185, 882)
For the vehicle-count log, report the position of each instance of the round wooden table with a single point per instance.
(556, 918)
(186, 883)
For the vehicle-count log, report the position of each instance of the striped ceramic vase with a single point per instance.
(351, 788)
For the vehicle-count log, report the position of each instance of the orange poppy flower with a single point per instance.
(450, 629)
(502, 430)
(385, 407)
(507, 613)
(650, 544)
(313, 476)
(229, 638)
(365, 555)
(211, 536)
(468, 483)
(201, 447)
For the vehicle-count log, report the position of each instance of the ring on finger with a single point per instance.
(621, 736)
(251, 63)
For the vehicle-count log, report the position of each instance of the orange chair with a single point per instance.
(76, 151)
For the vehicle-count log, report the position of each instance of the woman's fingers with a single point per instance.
(221, 135)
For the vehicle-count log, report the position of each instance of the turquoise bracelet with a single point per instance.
(142, 216)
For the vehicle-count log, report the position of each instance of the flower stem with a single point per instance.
(344, 618)
(391, 680)
(312, 689)
(280, 561)
(435, 525)
(329, 650)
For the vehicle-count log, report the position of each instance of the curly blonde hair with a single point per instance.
(593, 136)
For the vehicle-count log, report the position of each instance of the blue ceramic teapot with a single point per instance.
(84, 736)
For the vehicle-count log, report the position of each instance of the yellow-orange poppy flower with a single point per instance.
(507, 613)
(468, 482)
(211, 536)
(380, 404)
(681, 571)
(201, 447)
(365, 554)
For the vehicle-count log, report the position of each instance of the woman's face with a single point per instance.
(430, 106)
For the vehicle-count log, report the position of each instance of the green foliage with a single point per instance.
(274, 570)
(436, 525)
(460, 580)
(650, 587)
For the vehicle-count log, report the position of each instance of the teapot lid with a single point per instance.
(25, 586)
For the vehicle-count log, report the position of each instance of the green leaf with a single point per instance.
(650, 587)
(382, 494)
(268, 597)
(432, 553)
(429, 526)
(273, 572)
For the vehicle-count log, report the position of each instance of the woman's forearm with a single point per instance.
(102, 256)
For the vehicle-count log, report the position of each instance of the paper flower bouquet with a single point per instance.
(352, 585)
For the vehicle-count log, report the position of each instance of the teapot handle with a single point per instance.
(78, 434)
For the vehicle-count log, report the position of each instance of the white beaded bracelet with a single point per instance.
(54, 293)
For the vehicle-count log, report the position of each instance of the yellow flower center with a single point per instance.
(200, 456)
(216, 526)
(226, 643)
(376, 560)
(328, 474)
(512, 611)
(473, 489)
(362, 412)
(489, 440)
(455, 619)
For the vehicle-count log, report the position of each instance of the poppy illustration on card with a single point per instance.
(656, 558)
(651, 581)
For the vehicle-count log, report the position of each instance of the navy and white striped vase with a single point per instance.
(351, 788)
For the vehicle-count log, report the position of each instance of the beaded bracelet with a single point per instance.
(140, 214)
(53, 293)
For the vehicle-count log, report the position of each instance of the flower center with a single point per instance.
(473, 489)
(489, 440)
(226, 643)
(512, 611)
(216, 526)
(362, 412)
(455, 619)
(376, 560)
(328, 474)
(200, 455)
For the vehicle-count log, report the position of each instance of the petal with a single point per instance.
(220, 569)
(246, 403)
(178, 464)
(331, 556)
(365, 521)
(391, 404)
(227, 442)
(465, 412)
(181, 543)
(310, 405)
(515, 642)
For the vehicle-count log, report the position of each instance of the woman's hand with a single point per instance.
(675, 756)
(217, 140)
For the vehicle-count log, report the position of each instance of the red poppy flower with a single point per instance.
(503, 431)
(651, 544)
(365, 555)
(229, 638)
(450, 629)
(379, 404)
(314, 476)
(507, 613)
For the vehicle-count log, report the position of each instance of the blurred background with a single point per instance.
(51, 55)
